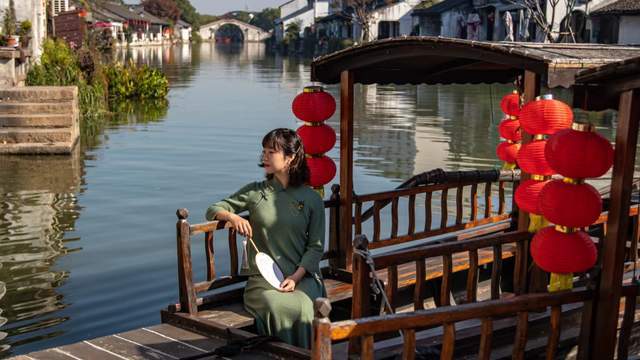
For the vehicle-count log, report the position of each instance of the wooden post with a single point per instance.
(321, 346)
(346, 166)
(360, 306)
(613, 248)
(185, 271)
(537, 277)
(334, 230)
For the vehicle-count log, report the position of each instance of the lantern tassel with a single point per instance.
(508, 166)
(537, 222)
(320, 191)
(559, 282)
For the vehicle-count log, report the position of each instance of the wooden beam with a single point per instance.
(346, 167)
(613, 248)
(537, 278)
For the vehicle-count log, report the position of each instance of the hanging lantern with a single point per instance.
(508, 151)
(579, 152)
(313, 104)
(527, 195)
(569, 204)
(531, 158)
(563, 253)
(509, 129)
(317, 139)
(545, 116)
(322, 170)
(510, 104)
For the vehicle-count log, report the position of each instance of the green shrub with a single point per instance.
(133, 82)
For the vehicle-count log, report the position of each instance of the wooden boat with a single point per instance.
(469, 240)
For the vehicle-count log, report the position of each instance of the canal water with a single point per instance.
(87, 242)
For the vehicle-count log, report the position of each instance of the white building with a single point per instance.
(616, 22)
(58, 6)
(36, 12)
(389, 21)
(301, 12)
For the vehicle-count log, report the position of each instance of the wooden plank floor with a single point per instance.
(159, 342)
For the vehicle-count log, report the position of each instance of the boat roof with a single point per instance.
(442, 60)
(600, 88)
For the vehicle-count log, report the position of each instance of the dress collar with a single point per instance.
(275, 185)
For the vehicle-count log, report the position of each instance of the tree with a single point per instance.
(163, 8)
(538, 9)
(188, 13)
(362, 13)
(265, 19)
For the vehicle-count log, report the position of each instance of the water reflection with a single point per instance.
(38, 206)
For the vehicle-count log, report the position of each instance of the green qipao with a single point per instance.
(289, 225)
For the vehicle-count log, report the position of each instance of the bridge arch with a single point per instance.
(251, 33)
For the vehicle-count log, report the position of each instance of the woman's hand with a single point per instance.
(289, 284)
(241, 225)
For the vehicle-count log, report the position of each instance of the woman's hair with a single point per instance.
(288, 141)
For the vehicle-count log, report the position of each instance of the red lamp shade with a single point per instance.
(317, 139)
(507, 152)
(557, 252)
(579, 154)
(313, 105)
(510, 104)
(531, 158)
(510, 130)
(545, 116)
(322, 170)
(527, 195)
(572, 205)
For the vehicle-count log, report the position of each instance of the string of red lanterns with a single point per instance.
(576, 153)
(541, 117)
(314, 106)
(509, 130)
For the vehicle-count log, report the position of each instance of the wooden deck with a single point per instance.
(158, 342)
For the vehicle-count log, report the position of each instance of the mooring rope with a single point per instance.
(376, 285)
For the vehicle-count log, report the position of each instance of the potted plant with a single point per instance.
(9, 24)
(24, 31)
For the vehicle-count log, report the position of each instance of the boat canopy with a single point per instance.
(440, 60)
(600, 88)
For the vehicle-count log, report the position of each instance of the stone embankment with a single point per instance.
(39, 120)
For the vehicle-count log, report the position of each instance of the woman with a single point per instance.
(286, 221)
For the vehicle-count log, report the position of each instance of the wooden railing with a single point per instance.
(325, 332)
(437, 198)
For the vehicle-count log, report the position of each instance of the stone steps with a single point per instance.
(39, 94)
(36, 108)
(20, 135)
(60, 148)
(35, 121)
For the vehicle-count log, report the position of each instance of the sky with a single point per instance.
(219, 7)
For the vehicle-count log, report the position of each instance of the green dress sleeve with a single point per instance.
(236, 203)
(314, 249)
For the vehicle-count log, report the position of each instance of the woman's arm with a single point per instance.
(227, 210)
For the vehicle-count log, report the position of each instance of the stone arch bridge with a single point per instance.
(251, 33)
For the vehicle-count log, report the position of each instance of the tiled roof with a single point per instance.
(437, 7)
(619, 7)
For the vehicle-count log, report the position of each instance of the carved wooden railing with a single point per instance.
(436, 198)
(519, 307)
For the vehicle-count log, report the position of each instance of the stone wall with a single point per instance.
(39, 120)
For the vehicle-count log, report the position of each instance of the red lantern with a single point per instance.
(545, 116)
(313, 105)
(510, 104)
(531, 158)
(507, 152)
(579, 154)
(510, 129)
(527, 195)
(317, 139)
(322, 170)
(558, 252)
(571, 205)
